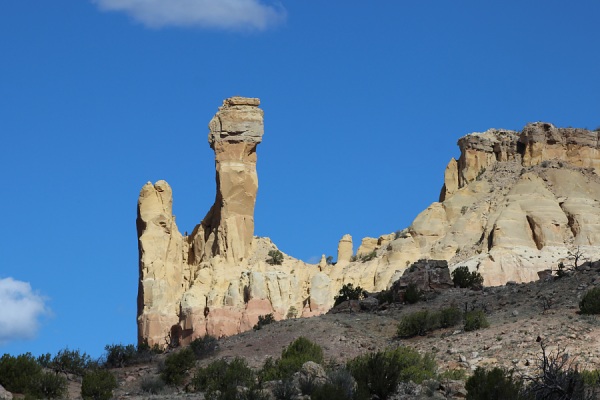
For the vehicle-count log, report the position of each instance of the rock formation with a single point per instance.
(512, 204)
(228, 228)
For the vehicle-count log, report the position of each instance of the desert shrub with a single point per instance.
(253, 393)
(342, 381)
(412, 294)
(421, 322)
(450, 316)
(264, 320)
(308, 384)
(349, 292)
(221, 379)
(152, 385)
(292, 313)
(98, 384)
(495, 384)
(385, 296)
(18, 374)
(590, 303)
(414, 324)
(378, 374)
(285, 390)
(70, 362)
(177, 365)
(561, 272)
(464, 279)
(297, 353)
(559, 378)
(454, 374)
(275, 257)
(292, 358)
(118, 355)
(591, 377)
(204, 346)
(50, 385)
(475, 320)
(329, 391)
(367, 257)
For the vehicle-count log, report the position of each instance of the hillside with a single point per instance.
(518, 315)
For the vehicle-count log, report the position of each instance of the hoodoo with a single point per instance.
(513, 204)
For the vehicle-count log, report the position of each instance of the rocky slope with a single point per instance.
(518, 315)
(513, 204)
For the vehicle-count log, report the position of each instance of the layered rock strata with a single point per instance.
(513, 204)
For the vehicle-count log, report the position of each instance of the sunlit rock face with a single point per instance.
(512, 204)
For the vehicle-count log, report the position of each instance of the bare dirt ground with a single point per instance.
(520, 315)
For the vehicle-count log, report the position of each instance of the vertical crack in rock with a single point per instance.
(535, 232)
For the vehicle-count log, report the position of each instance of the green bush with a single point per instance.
(368, 256)
(454, 374)
(412, 294)
(275, 257)
(590, 377)
(224, 377)
(50, 385)
(342, 381)
(205, 346)
(292, 358)
(18, 374)
(378, 374)
(119, 356)
(475, 320)
(419, 323)
(285, 390)
(348, 292)
(70, 362)
(177, 365)
(98, 384)
(414, 324)
(450, 316)
(264, 320)
(152, 385)
(590, 303)
(464, 279)
(386, 296)
(495, 384)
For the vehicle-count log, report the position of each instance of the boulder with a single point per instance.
(5, 394)
(426, 275)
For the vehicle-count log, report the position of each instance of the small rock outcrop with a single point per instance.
(426, 275)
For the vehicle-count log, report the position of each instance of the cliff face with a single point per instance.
(512, 204)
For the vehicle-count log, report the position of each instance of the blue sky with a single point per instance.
(364, 103)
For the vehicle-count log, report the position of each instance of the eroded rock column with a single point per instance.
(228, 228)
(160, 248)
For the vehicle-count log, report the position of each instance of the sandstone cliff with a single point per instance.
(511, 205)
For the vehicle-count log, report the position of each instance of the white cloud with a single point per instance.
(20, 310)
(222, 14)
